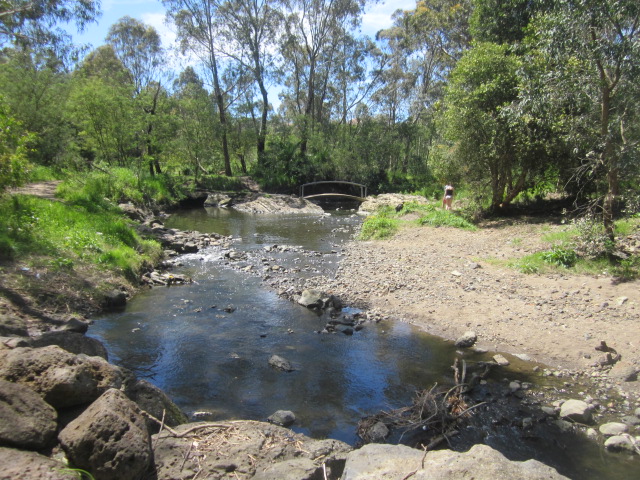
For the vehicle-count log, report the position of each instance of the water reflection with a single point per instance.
(183, 341)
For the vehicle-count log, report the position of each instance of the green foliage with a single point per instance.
(378, 227)
(445, 218)
(220, 183)
(14, 166)
(561, 256)
(99, 190)
(628, 269)
(70, 234)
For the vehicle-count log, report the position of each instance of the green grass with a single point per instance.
(378, 227)
(386, 221)
(99, 190)
(583, 249)
(72, 234)
(220, 183)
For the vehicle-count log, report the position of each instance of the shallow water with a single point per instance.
(208, 359)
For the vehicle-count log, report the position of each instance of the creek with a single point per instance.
(207, 344)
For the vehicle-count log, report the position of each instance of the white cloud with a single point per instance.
(378, 16)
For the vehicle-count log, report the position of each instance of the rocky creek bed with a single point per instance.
(60, 398)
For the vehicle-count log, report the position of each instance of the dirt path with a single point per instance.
(40, 189)
(443, 281)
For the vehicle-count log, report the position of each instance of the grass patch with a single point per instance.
(220, 183)
(378, 227)
(71, 234)
(386, 221)
(101, 190)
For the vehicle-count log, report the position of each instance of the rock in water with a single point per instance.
(577, 411)
(468, 339)
(280, 363)
(282, 417)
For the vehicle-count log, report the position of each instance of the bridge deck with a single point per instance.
(343, 195)
(361, 197)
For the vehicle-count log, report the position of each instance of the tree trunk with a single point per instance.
(221, 112)
(608, 159)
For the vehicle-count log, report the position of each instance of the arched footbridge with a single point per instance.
(334, 189)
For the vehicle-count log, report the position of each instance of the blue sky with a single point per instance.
(151, 12)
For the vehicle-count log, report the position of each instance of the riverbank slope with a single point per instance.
(447, 281)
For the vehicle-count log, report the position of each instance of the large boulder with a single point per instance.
(27, 421)
(155, 402)
(109, 439)
(61, 378)
(245, 449)
(32, 466)
(481, 462)
(72, 342)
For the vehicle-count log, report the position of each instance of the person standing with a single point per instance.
(448, 197)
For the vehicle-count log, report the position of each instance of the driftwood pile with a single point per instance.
(435, 412)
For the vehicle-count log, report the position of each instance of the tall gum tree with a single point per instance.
(313, 32)
(592, 53)
(250, 28)
(199, 31)
(139, 48)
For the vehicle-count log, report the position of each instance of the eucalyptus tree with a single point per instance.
(494, 146)
(423, 45)
(37, 22)
(591, 52)
(35, 86)
(102, 105)
(250, 29)
(314, 31)
(198, 25)
(197, 126)
(139, 48)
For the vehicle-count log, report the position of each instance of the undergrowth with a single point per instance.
(100, 190)
(73, 234)
(584, 248)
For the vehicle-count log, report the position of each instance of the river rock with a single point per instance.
(283, 418)
(280, 363)
(217, 200)
(501, 360)
(154, 401)
(316, 299)
(621, 443)
(75, 325)
(481, 462)
(61, 378)
(277, 204)
(72, 342)
(24, 465)
(27, 421)
(246, 449)
(576, 411)
(109, 439)
(133, 212)
(613, 428)
(468, 339)
(624, 372)
(114, 300)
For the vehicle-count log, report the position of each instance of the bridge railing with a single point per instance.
(363, 188)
